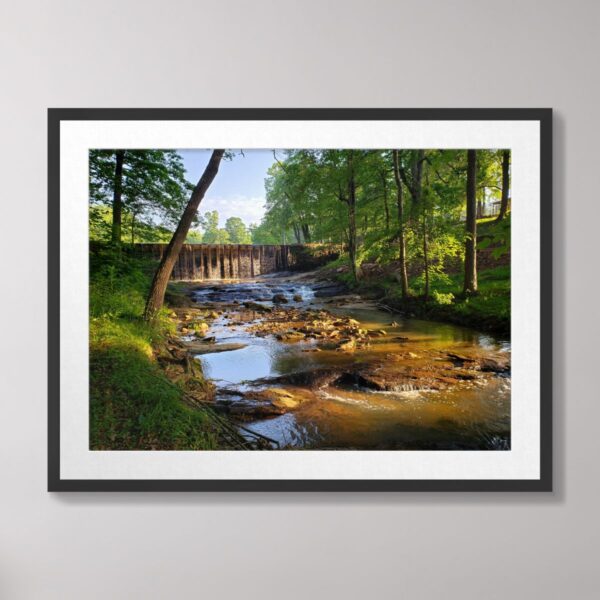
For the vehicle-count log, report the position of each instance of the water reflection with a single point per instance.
(474, 416)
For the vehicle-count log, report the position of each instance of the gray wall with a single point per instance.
(305, 53)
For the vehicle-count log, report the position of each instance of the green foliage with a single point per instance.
(212, 233)
(237, 231)
(489, 309)
(495, 235)
(194, 237)
(132, 403)
(154, 193)
(441, 298)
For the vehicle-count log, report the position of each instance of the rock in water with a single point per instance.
(257, 307)
(279, 299)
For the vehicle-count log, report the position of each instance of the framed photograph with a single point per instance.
(300, 300)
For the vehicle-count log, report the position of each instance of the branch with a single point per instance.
(279, 162)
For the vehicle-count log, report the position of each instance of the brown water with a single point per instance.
(472, 415)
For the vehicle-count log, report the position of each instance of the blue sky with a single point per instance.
(238, 189)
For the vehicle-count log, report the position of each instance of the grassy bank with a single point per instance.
(488, 310)
(133, 404)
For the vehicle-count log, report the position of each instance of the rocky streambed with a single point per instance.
(309, 365)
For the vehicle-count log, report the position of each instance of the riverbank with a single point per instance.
(135, 403)
(488, 310)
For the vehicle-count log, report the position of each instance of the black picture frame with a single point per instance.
(58, 115)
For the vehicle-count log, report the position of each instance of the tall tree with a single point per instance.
(401, 237)
(470, 285)
(237, 230)
(384, 185)
(348, 196)
(156, 295)
(117, 206)
(142, 187)
(505, 184)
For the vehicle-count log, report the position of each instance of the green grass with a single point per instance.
(133, 405)
(488, 310)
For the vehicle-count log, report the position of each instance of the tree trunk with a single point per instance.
(117, 208)
(425, 257)
(132, 228)
(505, 185)
(297, 233)
(306, 233)
(163, 273)
(401, 241)
(470, 286)
(385, 201)
(417, 171)
(351, 201)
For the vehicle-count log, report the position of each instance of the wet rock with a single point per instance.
(257, 307)
(211, 348)
(254, 410)
(297, 298)
(278, 397)
(330, 289)
(347, 345)
(199, 327)
(290, 336)
(279, 299)
(493, 366)
(376, 333)
(484, 364)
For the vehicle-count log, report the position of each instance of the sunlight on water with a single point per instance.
(476, 415)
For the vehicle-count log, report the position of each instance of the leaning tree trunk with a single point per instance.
(401, 240)
(117, 207)
(470, 286)
(505, 185)
(163, 273)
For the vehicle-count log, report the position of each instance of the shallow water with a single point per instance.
(474, 415)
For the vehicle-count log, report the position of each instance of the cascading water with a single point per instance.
(200, 262)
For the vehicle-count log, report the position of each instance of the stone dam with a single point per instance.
(199, 262)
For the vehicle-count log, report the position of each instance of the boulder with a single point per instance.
(279, 299)
(257, 307)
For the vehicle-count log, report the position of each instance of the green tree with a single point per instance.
(237, 230)
(145, 189)
(470, 286)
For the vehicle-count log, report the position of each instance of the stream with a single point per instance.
(405, 384)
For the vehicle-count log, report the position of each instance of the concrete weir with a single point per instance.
(199, 262)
